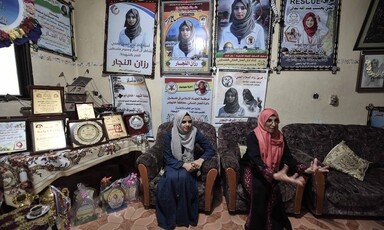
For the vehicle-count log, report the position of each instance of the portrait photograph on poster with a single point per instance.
(370, 76)
(239, 95)
(243, 34)
(309, 37)
(130, 37)
(186, 36)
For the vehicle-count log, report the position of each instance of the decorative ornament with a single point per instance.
(11, 31)
(370, 72)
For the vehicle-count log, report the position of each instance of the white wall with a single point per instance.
(289, 92)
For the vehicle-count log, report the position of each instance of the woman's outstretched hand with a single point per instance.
(294, 179)
(315, 167)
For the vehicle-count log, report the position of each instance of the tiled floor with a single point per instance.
(136, 217)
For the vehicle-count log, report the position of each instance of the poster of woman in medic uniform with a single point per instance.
(309, 35)
(185, 36)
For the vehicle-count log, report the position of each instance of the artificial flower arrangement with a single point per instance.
(370, 72)
(28, 29)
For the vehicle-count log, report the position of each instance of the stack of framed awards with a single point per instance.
(49, 127)
(47, 122)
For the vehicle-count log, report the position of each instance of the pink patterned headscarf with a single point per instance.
(271, 146)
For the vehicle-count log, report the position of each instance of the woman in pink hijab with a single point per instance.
(264, 165)
(314, 30)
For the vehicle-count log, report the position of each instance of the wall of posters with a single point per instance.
(243, 41)
(130, 95)
(186, 36)
(130, 31)
(193, 94)
(239, 95)
(57, 34)
(308, 39)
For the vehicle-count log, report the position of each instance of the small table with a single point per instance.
(17, 219)
(41, 170)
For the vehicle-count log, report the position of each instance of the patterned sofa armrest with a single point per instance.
(212, 163)
(228, 158)
(152, 160)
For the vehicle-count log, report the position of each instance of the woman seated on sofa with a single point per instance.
(265, 163)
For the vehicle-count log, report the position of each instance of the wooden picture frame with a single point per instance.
(85, 111)
(194, 17)
(375, 116)
(371, 36)
(114, 126)
(13, 135)
(253, 50)
(57, 32)
(47, 134)
(126, 50)
(47, 100)
(135, 123)
(308, 37)
(89, 132)
(370, 75)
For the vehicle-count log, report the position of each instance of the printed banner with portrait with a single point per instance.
(239, 95)
(308, 39)
(55, 17)
(186, 37)
(193, 94)
(131, 96)
(130, 31)
(243, 34)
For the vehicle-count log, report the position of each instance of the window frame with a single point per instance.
(24, 70)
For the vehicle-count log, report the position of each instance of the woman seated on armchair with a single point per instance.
(177, 195)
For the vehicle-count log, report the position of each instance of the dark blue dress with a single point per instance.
(177, 194)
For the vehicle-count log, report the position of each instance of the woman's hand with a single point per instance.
(197, 163)
(294, 179)
(314, 167)
(189, 167)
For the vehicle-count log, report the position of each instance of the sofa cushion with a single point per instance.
(342, 158)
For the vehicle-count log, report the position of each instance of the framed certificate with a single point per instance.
(47, 134)
(13, 135)
(85, 110)
(87, 132)
(114, 126)
(135, 123)
(47, 100)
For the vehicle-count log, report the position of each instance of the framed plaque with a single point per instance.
(135, 123)
(13, 135)
(87, 132)
(114, 198)
(85, 110)
(114, 126)
(48, 134)
(47, 100)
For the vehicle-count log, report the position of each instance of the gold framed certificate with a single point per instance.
(85, 110)
(47, 100)
(47, 134)
(114, 126)
(13, 135)
(87, 132)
